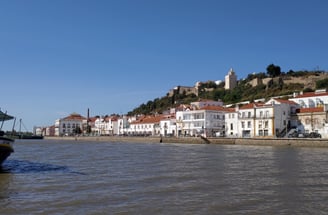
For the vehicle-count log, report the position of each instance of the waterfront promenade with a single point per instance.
(301, 142)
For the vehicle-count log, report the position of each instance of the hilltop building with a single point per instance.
(183, 90)
(230, 80)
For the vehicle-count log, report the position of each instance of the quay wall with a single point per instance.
(301, 142)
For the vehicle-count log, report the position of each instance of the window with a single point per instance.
(231, 126)
(260, 124)
(266, 114)
(266, 124)
(249, 124)
(186, 117)
(307, 121)
(261, 114)
(243, 124)
(260, 132)
(249, 114)
(199, 116)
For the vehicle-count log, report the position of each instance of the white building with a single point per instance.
(311, 99)
(70, 125)
(207, 121)
(168, 126)
(312, 120)
(123, 125)
(270, 119)
(107, 125)
(145, 126)
(231, 122)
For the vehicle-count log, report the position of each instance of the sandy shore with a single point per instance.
(303, 142)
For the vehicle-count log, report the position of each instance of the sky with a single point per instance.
(65, 56)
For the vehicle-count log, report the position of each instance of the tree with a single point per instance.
(273, 70)
(320, 84)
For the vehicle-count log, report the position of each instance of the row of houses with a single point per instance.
(305, 112)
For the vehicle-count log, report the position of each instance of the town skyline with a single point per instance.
(302, 114)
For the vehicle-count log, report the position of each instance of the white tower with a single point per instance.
(230, 80)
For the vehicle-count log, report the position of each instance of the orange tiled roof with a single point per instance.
(149, 119)
(74, 116)
(286, 101)
(311, 110)
(231, 110)
(252, 105)
(111, 118)
(312, 94)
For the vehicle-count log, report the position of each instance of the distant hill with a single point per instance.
(255, 86)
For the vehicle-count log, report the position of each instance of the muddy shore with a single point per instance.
(302, 142)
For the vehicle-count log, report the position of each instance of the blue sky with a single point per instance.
(64, 56)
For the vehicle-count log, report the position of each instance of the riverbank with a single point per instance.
(301, 142)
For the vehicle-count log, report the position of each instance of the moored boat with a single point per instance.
(6, 147)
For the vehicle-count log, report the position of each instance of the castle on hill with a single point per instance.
(230, 83)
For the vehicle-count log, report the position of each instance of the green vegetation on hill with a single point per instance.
(243, 92)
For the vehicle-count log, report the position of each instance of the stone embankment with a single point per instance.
(303, 142)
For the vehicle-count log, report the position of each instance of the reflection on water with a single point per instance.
(5, 181)
(48, 177)
(24, 166)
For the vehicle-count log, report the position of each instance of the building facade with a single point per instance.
(311, 99)
(70, 125)
(312, 120)
(145, 126)
(270, 119)
(207, 121)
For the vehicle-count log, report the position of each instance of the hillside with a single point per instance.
(255, 86)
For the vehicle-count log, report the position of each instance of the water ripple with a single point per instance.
(24, 166)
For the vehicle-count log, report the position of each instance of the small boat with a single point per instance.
(6, 144)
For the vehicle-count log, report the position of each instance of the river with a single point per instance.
(79, 177)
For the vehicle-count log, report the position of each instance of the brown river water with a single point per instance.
(79, 177)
